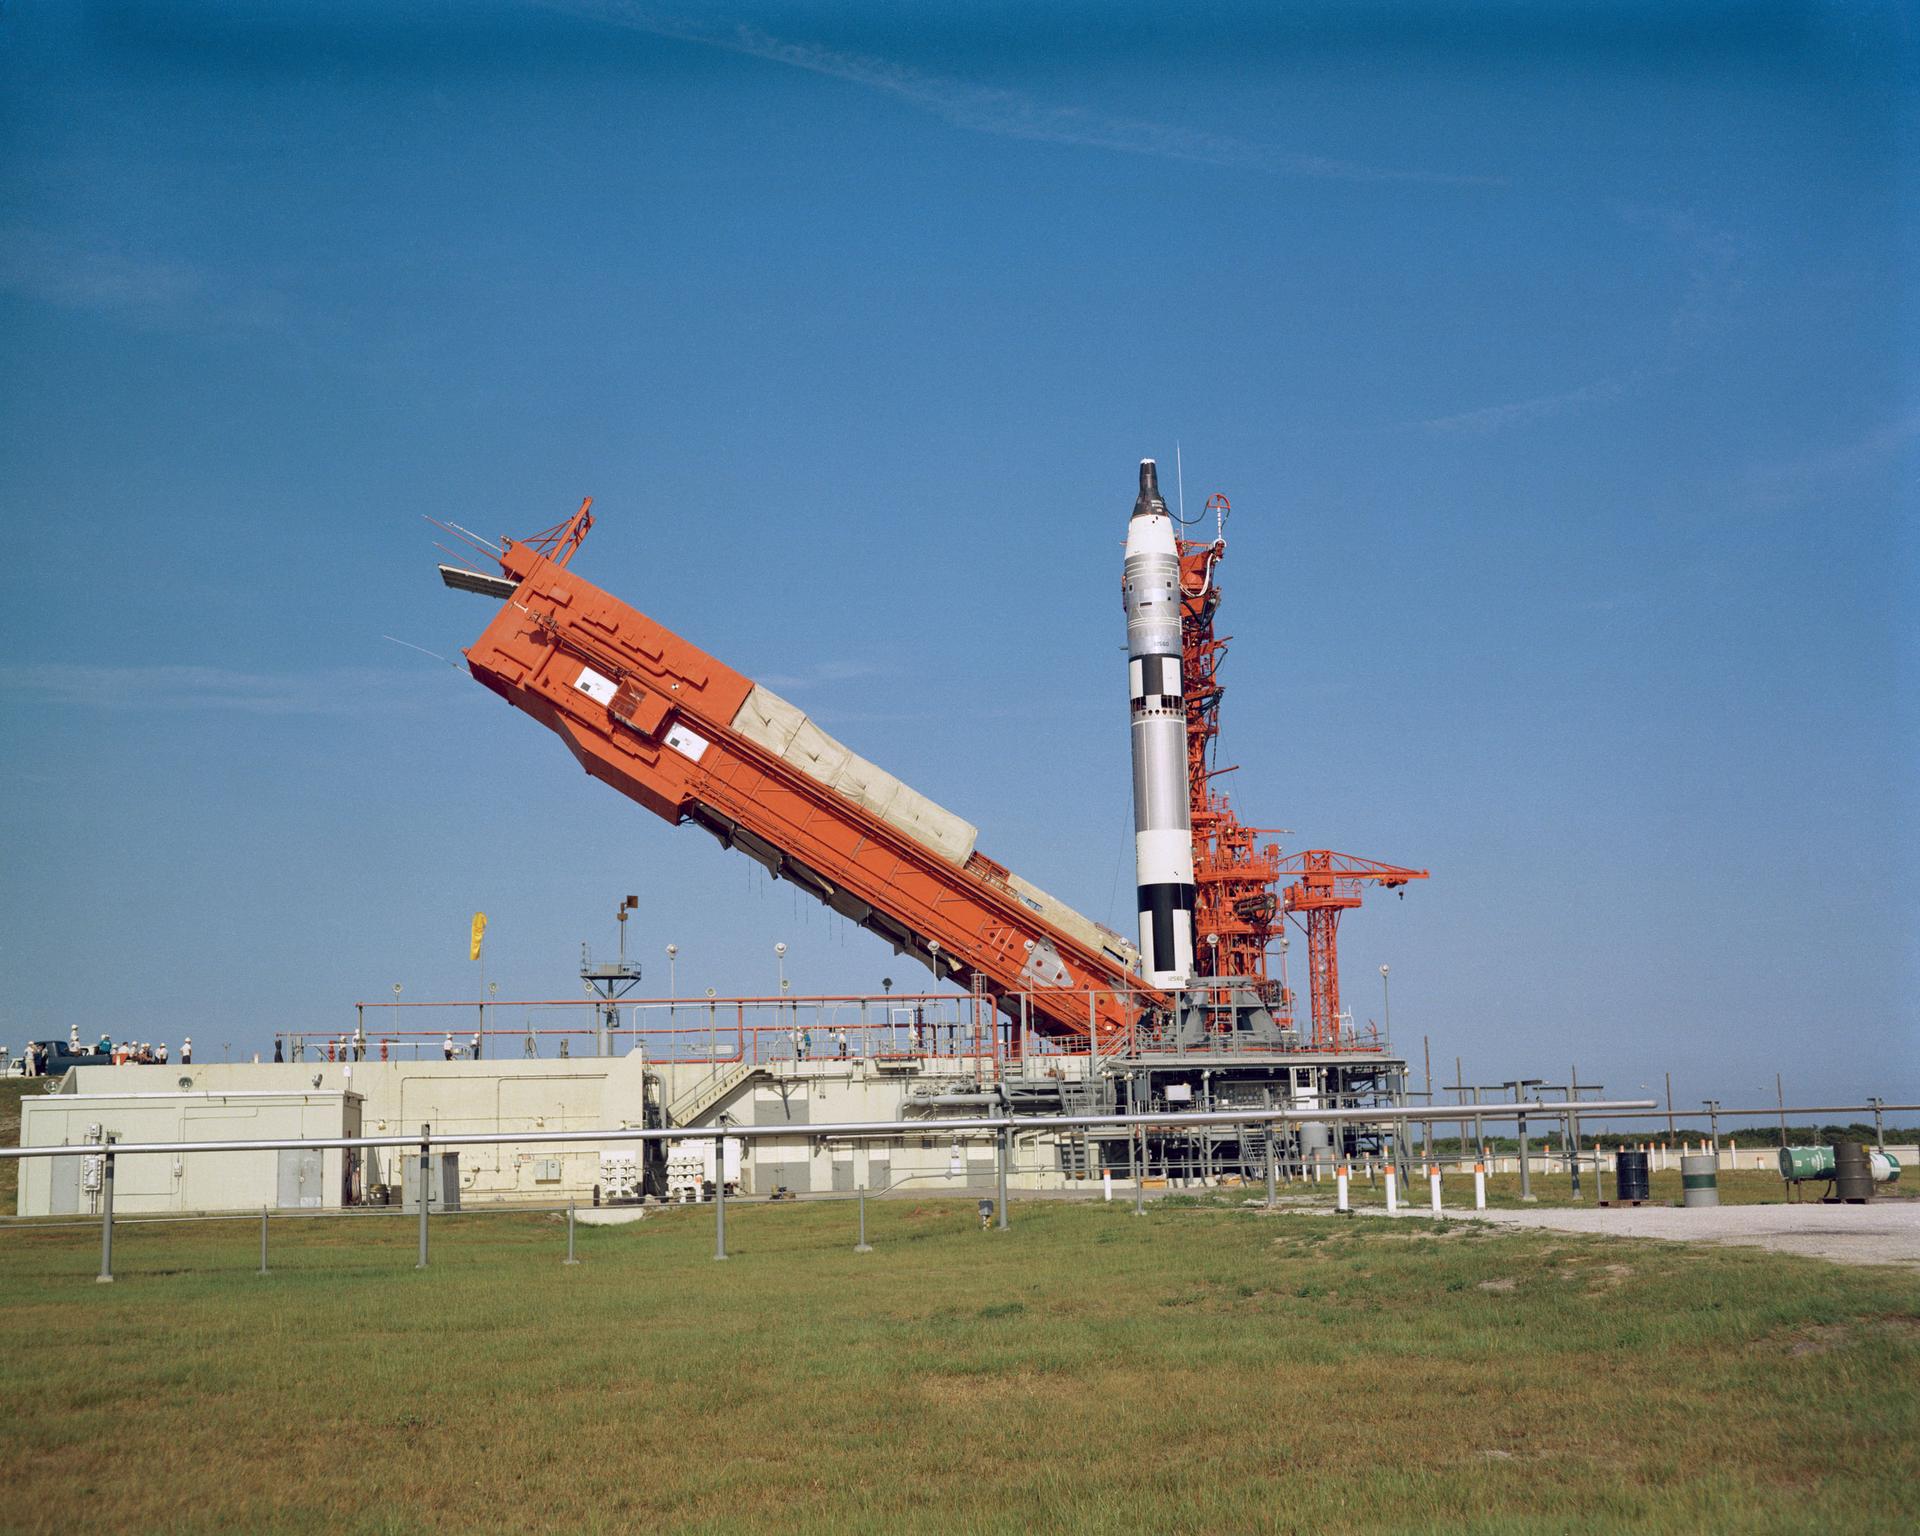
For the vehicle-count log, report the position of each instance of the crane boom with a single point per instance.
(1325, 885)
(693, 740)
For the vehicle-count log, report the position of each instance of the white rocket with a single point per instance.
(1162, 826)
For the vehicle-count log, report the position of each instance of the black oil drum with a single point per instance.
(1631, 1178)
(1852, 1172)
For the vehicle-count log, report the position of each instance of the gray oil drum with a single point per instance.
(1852, 1172)
(1699, 1179)
(1800, 1163)
(1631, 1178)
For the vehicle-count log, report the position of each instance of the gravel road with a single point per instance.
(1884, 1232)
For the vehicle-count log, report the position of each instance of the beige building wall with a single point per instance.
(587, 1093)
(486, 1097)
(204, 1181)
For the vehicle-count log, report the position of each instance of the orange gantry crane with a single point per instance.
(1325, 885)
(1236, 910)
(694, 741)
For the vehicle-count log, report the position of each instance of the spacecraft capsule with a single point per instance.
(1162, 825)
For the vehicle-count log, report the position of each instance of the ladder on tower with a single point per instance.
(983, 1023)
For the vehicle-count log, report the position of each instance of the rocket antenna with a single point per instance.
(1180, 490)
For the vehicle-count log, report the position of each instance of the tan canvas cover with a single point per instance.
(1074, 924)
(783, 729)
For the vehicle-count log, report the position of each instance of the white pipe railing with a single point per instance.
(841, 1130)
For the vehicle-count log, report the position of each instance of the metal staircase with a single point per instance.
(1076, 1148)
(709, 1091)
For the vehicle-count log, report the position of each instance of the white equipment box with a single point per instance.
(690, 1167)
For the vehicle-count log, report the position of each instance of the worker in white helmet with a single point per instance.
(162, 1053)
(186, 1051)
(447, 1046)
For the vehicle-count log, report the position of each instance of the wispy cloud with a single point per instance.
(335, 691)
(1491, 418)
(75, 273)
(993, 110)
(825, 673)
(1714, 260)
(1791, 481)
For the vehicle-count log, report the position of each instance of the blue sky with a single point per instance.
(1559, 362)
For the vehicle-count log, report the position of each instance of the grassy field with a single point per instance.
(1199, 1369)
(11, 1091)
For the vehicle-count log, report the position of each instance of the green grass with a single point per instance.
(12, 1090)
(1195, 1370)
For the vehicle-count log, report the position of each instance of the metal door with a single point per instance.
(796, 1176)
(300, 1175)
(64, 1197)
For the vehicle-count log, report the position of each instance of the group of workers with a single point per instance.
(41, 1058)
(346, 1048)
(803, 1042)
(127, 1053)
(352, 1048)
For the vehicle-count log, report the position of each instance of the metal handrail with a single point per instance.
(845, 1130)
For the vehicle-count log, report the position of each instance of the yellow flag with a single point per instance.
(479, 933)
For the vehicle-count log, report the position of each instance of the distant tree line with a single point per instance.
(1748, 1135)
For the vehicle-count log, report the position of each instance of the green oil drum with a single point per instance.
(1699, 1179)
(1799, 1163)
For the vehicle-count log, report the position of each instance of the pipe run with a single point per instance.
(849, 1129)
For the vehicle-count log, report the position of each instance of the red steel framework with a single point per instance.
(663, 735)
(1236, 906)
(1325, 885)
(1235, 910)
(967, 916)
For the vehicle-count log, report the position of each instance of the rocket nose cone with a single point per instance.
(1149, 502)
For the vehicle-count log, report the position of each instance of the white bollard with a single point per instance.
(1106, 1183)
(1393, 1194)
(1433, 1186)
(1340, 1189)
(1479, 1186)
